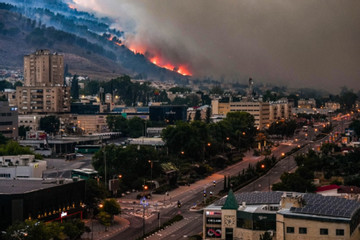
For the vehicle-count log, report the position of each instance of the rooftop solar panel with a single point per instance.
(315, 204)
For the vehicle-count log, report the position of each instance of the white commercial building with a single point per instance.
(21, 166)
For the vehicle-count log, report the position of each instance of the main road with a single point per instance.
(193, 194)
(188, 196)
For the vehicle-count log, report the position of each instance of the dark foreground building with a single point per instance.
(45, 200)
(167, 113)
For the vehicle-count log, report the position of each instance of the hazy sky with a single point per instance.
(300, 43)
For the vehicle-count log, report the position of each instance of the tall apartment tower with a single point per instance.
(43, 68)
(44, 90)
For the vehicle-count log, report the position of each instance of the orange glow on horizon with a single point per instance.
(71, 6)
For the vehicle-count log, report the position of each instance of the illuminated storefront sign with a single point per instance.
(213, 232)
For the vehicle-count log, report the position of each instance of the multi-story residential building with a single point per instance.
(332, 106)
(54, 99)
(44, 90)
(306, 103)
(260, 110)
(280, 109)
(8, 120)
(21, 166)
(43, 68)
(10, 95)
(284, 215)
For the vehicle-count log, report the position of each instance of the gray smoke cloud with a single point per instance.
(312, 43)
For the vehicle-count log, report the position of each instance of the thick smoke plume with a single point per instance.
(312, 43)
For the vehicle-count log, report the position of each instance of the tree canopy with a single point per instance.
(35, 230)
(50, 124)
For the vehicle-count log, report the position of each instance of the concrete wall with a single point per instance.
(313, 229)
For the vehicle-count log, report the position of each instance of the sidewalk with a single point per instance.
(98, 230)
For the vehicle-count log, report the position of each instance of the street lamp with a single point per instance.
(263, 167)
(151, 167)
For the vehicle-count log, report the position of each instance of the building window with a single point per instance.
(302, 230)
(340, 232)
(324, 231)
(290, 229)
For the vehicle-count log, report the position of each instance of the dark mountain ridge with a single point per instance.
(76, 35)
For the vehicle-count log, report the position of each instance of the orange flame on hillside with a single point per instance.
(71, 6)
(113, 39)
(160, 62)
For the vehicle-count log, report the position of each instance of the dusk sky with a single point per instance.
(312, 43)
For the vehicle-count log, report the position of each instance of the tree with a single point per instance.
(95, 193)
(327, 148)
(112, 207)
(3, 98)
(91, 87)
(23, 130)
(104, 219)
(35, 230)
(74, 228)
(18, 84)
(13, 148)
(243, 130)
(50, 124)
(131, 162)
(197, 115)
(208, 115)
(75, 88)
(294, 182)
(3, 139)
(179, 101)
(355, 125)
(118, 124)
(163, 97)
(136, 127)
(5, 84)
(193, 100)
(283, 128)
(216, 90)
(348, 99)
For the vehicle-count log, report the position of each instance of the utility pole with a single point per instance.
(105, 166)
(143, 220)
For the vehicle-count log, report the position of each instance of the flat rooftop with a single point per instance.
(20, 186)
(315, 204)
